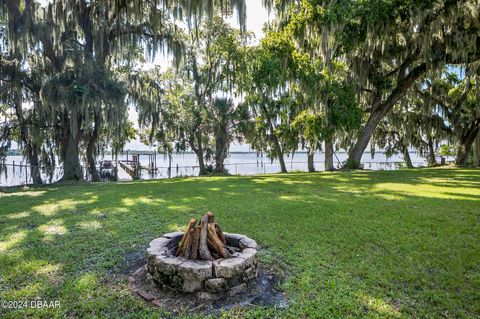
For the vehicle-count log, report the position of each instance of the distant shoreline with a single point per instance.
(148, 152)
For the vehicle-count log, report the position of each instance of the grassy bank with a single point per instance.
(354, 244)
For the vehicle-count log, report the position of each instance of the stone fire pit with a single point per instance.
(207, 279)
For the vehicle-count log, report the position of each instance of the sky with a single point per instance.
(257, 16)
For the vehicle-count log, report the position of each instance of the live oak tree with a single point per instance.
(273, 132)
(387, 45)
(342, 112)
(321, 100)
(271, 97)
(24, 125)
(446, 110)
(458, 101)
(65, 65)
(476, 151)
(466, 122)
(310, 123)
(66, 39)
(397, 132)
(429, 120)
(310, 127)
(192, 106)
(77, 91)
(215, 62)
(166, 105)
(414, 123)
(337, 111)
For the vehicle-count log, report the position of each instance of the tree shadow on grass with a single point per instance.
(375, 230)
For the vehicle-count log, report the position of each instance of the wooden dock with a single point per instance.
(130, 168)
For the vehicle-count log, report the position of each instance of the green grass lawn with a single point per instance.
(352, 244)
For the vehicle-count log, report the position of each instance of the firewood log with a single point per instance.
(187, 250)
(220, 234)
(203, 246)
(211, 217)
(181, 245)
(195, 242)
(215, 243)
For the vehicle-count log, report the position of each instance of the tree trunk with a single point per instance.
(406, 157)
(90, 154)
(72, 170)
(311, 154)
(221, 148)
(31, 149)
(355, 154)
(283, 167)
(329, 155)
(92, 167)
(431, 153)
(34, 165)
(201, 164)
(197, 148)
(379, 110)
(466, 142)
(116, 166)
(476, 151)
(278, 150)
(278, 147)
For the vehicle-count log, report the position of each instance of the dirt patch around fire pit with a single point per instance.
(265, 293)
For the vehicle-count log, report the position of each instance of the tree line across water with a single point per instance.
(327, 75)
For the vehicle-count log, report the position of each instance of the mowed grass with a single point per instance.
(393, 244)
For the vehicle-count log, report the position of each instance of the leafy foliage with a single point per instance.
(192, 106)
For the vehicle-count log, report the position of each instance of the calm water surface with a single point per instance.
(186, 165)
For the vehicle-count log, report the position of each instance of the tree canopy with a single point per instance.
(398, 75)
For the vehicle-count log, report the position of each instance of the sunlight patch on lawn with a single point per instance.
(29, 291)
(390, 196)
(335, 177)
(55, 227)
(268, 180)
(48, 269)
(13, 240)
(176, 227)
(90, 225)
(195, 198)
(426, 190)
(19, 215)
(129, 201)
(23, 194)
(179, 207)
(459, 178)
(49, 209)
(86, 282)
(379, 306)
(292, 198)
(50, 272)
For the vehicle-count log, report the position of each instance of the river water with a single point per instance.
(12, 173)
